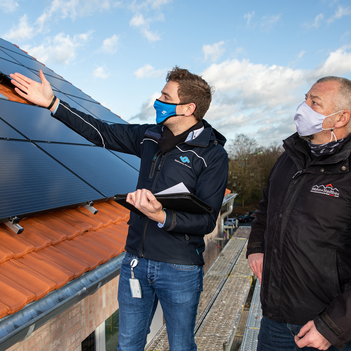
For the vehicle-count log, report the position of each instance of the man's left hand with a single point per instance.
(309, 336)
(145, 202)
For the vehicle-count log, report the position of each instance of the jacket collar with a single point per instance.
(203, 140)
(299, 151)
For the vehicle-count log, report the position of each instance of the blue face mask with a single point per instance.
(165, 110)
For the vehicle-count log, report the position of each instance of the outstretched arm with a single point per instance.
(38, 93)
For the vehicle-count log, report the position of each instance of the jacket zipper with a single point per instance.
(152, 171)
(153, 164)
(290, 198)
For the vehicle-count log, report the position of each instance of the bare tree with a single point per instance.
(249, 167)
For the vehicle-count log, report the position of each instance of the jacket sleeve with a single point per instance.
(258, 226)
(118, 137)
(335, 322)
(210, 188)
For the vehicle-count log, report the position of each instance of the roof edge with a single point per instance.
(21, 325)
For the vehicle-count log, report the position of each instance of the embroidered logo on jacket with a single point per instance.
(325, 190)
(184, 159)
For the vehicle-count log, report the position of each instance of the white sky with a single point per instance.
(260, 56)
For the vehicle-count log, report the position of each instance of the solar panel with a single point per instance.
(36, 123)
(98, 167)
(32, 182)
(7, 132)
(68, 89)
(27, 61)
(7, 45)
(5, 56)
(11, 64)
(132, 160)
(8, 67)
(98, 110)
(44, 164)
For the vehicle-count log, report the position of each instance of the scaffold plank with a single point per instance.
(226, 286)
(253, 323)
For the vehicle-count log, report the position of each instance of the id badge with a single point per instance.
(135, 288)
(134, 283)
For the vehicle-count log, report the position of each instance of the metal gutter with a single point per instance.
(21, 325)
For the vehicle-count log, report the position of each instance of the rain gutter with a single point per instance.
(19, 326)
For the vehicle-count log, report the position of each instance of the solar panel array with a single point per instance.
(43, 164)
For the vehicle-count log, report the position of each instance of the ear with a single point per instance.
(189, 109)
(343, 119)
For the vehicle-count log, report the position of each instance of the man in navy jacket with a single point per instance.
(164, 248)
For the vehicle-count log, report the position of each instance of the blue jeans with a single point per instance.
(177, 287)
(275, 336)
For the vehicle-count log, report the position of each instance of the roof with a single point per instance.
(49, 166)
(56, 248)
(48, 177)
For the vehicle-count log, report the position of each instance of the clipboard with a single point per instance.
(185, 202)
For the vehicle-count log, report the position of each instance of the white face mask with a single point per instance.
(309, 122)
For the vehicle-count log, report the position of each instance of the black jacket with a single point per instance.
(201, 164)
(303, 227)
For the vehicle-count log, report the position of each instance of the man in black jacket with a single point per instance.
(300, 242)
(164, 248)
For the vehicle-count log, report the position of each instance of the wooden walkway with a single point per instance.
(227, 285)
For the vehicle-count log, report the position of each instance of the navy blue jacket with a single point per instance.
(201, 164)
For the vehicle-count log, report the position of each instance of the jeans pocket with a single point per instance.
(184, 267)
(128, 258)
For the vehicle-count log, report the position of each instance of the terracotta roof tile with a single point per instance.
(103, 241)
(38, 241)
(44, 262)
(13, 296)
(102, 253)
(102, 216)
(46, 268)
(55, 248)
(4, 310)
(64, 260)
(27, 278)
(11, 284)
(44, 229)
(5, 254)
(13, 243)
(65, 218)
(86, 259)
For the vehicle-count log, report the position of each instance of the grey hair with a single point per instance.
(344, 96)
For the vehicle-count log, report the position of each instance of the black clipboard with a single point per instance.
(185, 202)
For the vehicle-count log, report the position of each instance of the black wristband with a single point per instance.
(52, 102)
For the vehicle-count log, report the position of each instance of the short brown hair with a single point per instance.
(192, 88)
